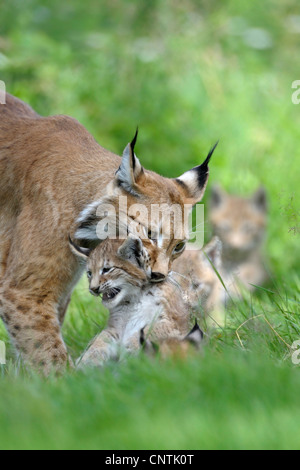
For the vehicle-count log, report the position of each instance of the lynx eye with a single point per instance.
(89, 274)
(179, 248)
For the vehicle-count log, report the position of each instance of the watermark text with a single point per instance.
(2, 92)
(2, 353)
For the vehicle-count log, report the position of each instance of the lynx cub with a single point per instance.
(240, 223)
(119, 271)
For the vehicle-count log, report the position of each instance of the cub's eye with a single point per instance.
(89, 274)
(180, 247)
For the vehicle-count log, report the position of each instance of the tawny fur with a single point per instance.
(51, 170)
(173, 347)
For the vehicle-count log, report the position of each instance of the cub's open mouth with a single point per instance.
(110, 294)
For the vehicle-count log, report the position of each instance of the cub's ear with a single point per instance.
(78, 250)
(213, 251)
(195, 336)
(217, 197)
(194, 181)
(130, 169)
(131, 250)
(260, 199)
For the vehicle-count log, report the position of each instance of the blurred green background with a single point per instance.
(188, 73)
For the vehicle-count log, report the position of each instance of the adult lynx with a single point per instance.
(53, 177)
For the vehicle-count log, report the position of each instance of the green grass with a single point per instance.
(240, 401)
(186, 74)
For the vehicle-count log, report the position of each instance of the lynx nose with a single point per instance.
(95, 290)
(157, 277)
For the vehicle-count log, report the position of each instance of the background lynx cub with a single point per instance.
(118, 271)
(240, 223)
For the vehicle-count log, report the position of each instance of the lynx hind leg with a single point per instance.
(101, 350)
(34, 328)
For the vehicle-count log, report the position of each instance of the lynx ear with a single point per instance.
(78, 250)
(195, 180)
(214, 252)
(218, 195)
(130, 170)
(260, 199)
(196, 336)
(131, 250)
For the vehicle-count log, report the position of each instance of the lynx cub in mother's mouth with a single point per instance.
(119, 271)
(240, 223)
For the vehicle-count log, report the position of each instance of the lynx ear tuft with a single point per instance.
(195, 180)
(196, 336)
(79, 251)
(213, 251)
(130, 170)
(260, 199)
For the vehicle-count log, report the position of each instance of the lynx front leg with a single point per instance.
(34, 328)
(103, 348)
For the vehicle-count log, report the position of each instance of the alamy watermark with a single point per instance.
(159, 222)
(2, 92)
(296, 353)
(2, 353)
(296, 94)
